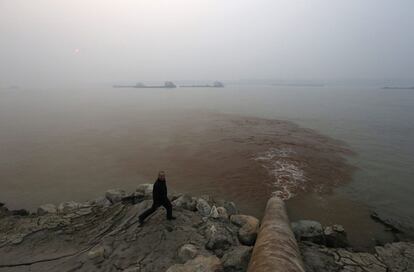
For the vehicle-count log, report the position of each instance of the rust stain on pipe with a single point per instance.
(276, 248)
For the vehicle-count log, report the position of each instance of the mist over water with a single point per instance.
(50, 43)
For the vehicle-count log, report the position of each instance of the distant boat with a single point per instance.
(167, 84)
(398, 88)
(216, 84)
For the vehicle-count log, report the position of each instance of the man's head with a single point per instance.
(161, 175)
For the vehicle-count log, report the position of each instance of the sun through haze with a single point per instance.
(47, 42)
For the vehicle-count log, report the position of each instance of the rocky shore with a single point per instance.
(326, 248)
(104, 235)
(208, 235)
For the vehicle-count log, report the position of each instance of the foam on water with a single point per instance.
(287, 173)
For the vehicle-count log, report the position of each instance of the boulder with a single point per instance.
(115, 195)
(338, 228)
(335, 236)
(359, 261)
(249, 227)
(102, 202)
(391, 257)
(208, 198)
(228, 205)
(397, 256)
(218, 238)
(317, 258)
(134, 198)
(237, 259)
(199, 264)
(145, 189)
(99, 254)
(67, 207)
(248, 234)
(241, 219)
(222, 212)
(47, 208)
(213, 212)
(186, 202)
(187, 252)
(173, 195)
(308, 230)
(203, 207)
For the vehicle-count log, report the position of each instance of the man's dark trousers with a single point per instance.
(167, 205)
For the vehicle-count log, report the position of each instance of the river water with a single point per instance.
(335, 153)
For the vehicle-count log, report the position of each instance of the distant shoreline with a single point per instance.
(298, 85)
(398, 88)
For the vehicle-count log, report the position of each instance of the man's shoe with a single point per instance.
(171, 218)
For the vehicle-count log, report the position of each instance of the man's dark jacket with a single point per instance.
(159, 191)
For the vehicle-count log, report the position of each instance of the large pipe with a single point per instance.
(276, 248)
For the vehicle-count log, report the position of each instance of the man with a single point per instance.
(159, 197)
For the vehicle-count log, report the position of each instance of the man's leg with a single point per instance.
(167, 205)
(148, 212)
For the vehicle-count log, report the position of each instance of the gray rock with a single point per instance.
(102, 202)
(199, 264)
(115, 195)
(338, 228)
(308, 230)
(249, 227)
(17, 239)
(401, 230)
(318, 259)
(241, 219)
(173, 195)
(213, 212)
(145, 189)
(397, 256)
(46, 208)
(222, 212)
(218, 238)
(228, 205)
(208, 198)
(68, 207)
(187, 252)
(203, 207)
(335, 236)
(389, 258)
(248, 234)
(99, 254)
(186, 202)
(237, 259)
(358, 261)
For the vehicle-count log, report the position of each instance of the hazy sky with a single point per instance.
(77, 41)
